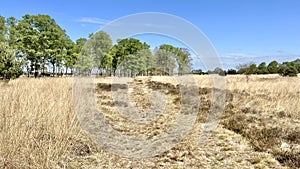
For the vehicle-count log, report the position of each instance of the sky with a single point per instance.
(240, 31)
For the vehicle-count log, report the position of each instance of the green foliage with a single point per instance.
(181, 56)
(183, 60)
(3, 29)
(84, 62)
(247, 69)
(262, 68)
(122, 50)
(219, 71)
(231, 71)
(43, 41)
(100, 44)
(287, 69)
(273, 67)
(284, 69)
(9, 67)
(197, 71)
(165, 62)
(297, 64)
(137, 63)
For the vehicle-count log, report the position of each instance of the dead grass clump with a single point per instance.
(264, 139)
(288, 158)
(236, 122)
(293, 136)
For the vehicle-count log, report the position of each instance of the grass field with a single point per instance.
(260, 127)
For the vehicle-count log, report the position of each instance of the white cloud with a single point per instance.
(92, 20)
(239, 56)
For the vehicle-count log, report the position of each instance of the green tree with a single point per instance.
(273, 67)
(262, 68)
(122, 50)
(183, 60)
(165, 61)
(84, 63)
(41, 40)
(138, 63)
(29, 43)
(10, 68)
(181, 56)
(231, 71)
(249, 68)
(101, 43)
(3, 29)
(71, 56)
(197, 71)
(297, 64)
(252, 69)
(219, 71)
(287, 69)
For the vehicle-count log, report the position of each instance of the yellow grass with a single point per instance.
(37, 122)
(269, 93)
(39, 129)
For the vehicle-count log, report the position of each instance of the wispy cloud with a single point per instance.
(92, 20)
(240, 56)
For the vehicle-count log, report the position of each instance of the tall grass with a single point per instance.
(267, 93)
(37, 122)
(266, 110)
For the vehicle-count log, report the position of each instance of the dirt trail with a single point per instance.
(156, 106)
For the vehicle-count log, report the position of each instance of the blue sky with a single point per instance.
(241, 31)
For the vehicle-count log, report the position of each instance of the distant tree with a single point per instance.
(262, 68)
(252, 69)
(273, 67)
(84, 63)
(165, 61)
(124, 48)
(242, 68)
(100, 43)
(287, 69)
(249, 68)
(231, 71)
(183, 60)
(181, 56)
(136, 63)
(197, 71)
(219, 71)
(297, 64)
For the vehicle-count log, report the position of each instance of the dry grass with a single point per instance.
(39, 129)
(37, 123)
(266, 110)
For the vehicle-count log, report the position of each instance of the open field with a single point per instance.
(260, 126)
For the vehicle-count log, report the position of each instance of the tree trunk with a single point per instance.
(35, 71)
(66, 73)
(53, 69)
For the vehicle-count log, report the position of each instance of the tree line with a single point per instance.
(36, 43)
(31, 44)
(131, 57)
(285, 69)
